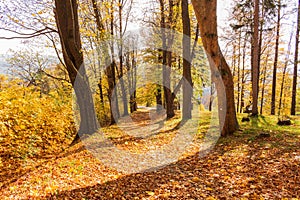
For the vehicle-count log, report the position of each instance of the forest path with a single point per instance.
(244, 165)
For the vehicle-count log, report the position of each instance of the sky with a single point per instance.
(5, 45)
(223, 13)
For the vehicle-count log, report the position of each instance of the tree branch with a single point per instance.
(27, 35)
(57, 78)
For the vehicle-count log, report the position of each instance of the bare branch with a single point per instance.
(26, 37)
(57, 78)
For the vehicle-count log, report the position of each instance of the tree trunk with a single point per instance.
(124, 93)
(109, 63)
(264, 84)
(111, 71)
(158, 97)
(255, 68)
(167, 85)
(243, 76)
(260, 39)
(284, 74)
(101, 90)
(66, 16)
(167, 59)
(233, 60)
(275, 62)
(100, 28)
(211, 96)
(294, 90)
(207, 19)
(186, 41)
(123, 89)
(164, 45)
(112, 93)
(131, 77)
(239, 73)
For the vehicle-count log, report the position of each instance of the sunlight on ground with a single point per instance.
(245, 165)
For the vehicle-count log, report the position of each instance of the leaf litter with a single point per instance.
(241, 166)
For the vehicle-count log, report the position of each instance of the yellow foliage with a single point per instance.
(32, 124)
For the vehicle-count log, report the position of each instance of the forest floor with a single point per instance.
(260, 161)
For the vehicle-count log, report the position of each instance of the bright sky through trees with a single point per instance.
(7, 44)
(138, 7)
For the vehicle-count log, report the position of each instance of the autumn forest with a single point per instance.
(159, 99)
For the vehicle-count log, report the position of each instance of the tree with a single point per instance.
(66, 16)
(132, 76)
(207, 19)
(263, 82)
(294, 90)
(276, 60)
(110, 63)
(243, 77)
(28, 65)
(255, 68)
(284, 75)
(243, 20)
(186, 52)
(167, 42)
(122, 29)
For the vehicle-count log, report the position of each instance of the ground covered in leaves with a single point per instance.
(261, 161)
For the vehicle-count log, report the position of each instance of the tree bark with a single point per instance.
(255, 68)
(66, 16)
(211, 96)
(123, 89)
(243, 76)
(264, 84)
(167, 58)
(112, 89)
(186, 52)
(239, 72)
(294, 90)
(275, 62)
(109, 63)
(131, 79)
(167, 85)
(207, 19)
(284, 74)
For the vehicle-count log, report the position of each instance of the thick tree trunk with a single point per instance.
(294, 90)
(275, 62)
(207, 20)
(67, 23)
(187, 83)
